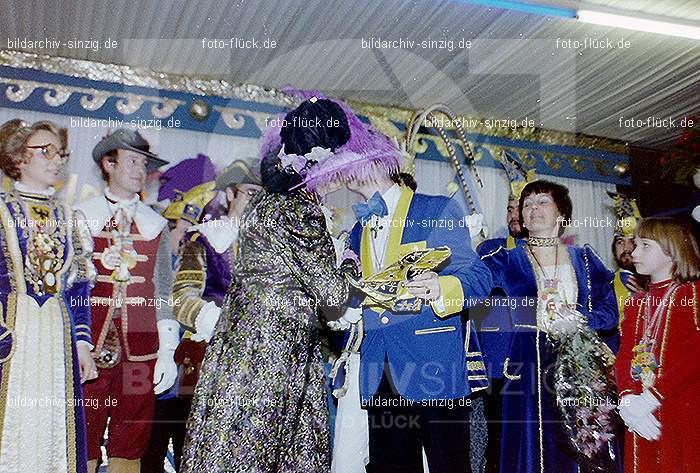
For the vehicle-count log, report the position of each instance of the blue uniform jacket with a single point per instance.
(432, 354)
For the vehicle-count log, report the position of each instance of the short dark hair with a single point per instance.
(404, 179)
(614, 241)
(559, 193)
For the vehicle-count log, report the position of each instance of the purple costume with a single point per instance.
(204, 274)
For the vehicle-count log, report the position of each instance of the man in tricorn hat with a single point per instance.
(135, 331)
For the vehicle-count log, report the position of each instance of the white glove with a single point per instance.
(352, 315)
(205, 323)
(339, 247)
(165, 372)
(646, 426)
(475, 223)
(637, 412)
(639, 404)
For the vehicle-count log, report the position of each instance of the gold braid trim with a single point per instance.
(190, 281)
(15, 268)
(539, 399)
(512, 377)
(10, 314)
(186, 311)
(695, 305)
(71, 434)
(666, 328)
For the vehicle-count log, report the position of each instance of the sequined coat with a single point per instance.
(260, 403)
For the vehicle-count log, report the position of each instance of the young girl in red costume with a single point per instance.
(657, 369)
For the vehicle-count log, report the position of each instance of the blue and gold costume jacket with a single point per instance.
(432, 354)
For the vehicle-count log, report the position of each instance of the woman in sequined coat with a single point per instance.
(260, 404)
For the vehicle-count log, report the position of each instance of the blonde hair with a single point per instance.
(14, 136)
(676, 237)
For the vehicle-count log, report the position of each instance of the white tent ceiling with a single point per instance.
(514, 68)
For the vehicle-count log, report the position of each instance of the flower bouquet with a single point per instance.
(585, 392)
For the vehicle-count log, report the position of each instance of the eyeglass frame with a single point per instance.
(62, 153)
(237, 190)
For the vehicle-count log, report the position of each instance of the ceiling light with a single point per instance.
(639, 24)
(526, 8)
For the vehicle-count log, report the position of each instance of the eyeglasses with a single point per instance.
(249, 192)
(49, 152)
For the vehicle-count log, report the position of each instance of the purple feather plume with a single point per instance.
(271, 140)
(185, 175)
(366, 155)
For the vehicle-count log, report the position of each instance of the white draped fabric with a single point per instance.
(34, 424)
(351, 451)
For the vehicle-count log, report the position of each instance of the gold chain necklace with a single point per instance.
(377, 258)
(549, 283)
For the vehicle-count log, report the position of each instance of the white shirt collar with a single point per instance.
(28, 190)
(130, 206)
(135, 198)
(98, 210)
(382, 230)
(391, 197)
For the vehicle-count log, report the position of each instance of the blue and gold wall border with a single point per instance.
(122, 93)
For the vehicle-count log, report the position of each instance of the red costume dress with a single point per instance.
(675, 380)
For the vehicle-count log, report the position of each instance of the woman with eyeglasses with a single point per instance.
(45, 278)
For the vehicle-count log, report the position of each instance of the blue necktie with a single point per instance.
(374, 206)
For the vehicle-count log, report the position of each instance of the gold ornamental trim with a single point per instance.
(134, 76)
(382, 113)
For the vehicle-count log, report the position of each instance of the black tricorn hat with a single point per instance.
(130, 140)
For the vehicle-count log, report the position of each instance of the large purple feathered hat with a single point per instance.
(367, 153)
